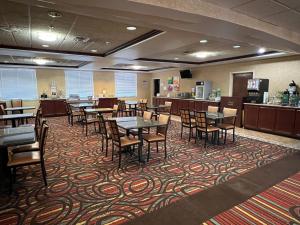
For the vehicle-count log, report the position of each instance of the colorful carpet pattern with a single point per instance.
(85, 187)
(279, 204)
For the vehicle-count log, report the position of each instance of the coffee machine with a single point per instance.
(257, 90)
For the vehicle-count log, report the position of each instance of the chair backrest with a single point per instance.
(2, 111)
(143, 100)
(143, 106)
(147, 115)
(115, 110)
(212, 109)
(16, 103)
(201, 121)
(68, 107)
(168, 103)
(229, 115)
(115, 134)
(102, 125)
(163, 129)
(43, 137)
(37, 122)
(185, 116)
(121, 105)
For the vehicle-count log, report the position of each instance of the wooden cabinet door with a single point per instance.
(60, 108)
(285, 121)
(267, 118)
(251, 116)
(198, 106)
(191, 105)
(297, 124)
(205, 106)
(174, 110)
(155, 101)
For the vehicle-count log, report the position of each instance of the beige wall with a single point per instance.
(280, 72)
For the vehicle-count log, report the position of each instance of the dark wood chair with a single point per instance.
(73, 113)
(105, 134)
(22, 159)
(86, 120)
(166, 110)
(202, 126)
(212, 109)
(228, 122)
(115, 111)
(121, 143)
(37, 123)
(159, 136)
(142, 107)
(147, 116)
(187, 122)
(123, 110)
(3, 112)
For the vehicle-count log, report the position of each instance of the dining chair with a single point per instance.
(37, 123)
(86, 120)
(212, 109)
(121, 143)
(142, 107)
(22, 159)
(202, 126)
(105, 134)
(143, 100)
(73, 113)
(146, 116)
(228, 122)
(115, 111)
(123, 109)
(31, 147)
(159, 136)
(187, 122)
(3, 112)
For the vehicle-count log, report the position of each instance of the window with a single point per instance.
(18, 84)
(79, 83)
(126, 84)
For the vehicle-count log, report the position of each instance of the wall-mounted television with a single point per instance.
(185, 74)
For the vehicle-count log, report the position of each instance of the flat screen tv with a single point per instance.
(185, 74)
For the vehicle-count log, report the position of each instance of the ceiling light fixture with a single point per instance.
(176, 58)
(236, 46)
(203, 41)
(137, 67)
(54, 14)
(94, 50)
(203, 54)
(40, 61)
(45, 46)
(131, 28)
(107, 42)
(6, 61)
(261, 51)
(49, 36)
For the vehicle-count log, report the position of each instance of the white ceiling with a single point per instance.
(103, 21)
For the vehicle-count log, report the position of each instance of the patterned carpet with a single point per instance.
(85, 187)
(279, 204)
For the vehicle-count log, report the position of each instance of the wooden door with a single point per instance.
(198, 106)
(297, 124)
(240, 81)
(267, 118)
(251, 116)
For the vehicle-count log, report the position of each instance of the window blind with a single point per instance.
(18, 84)
(79, 83)
(126, 84)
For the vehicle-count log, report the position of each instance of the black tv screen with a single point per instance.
(185, 74)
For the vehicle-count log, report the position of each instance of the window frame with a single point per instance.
(121, 73)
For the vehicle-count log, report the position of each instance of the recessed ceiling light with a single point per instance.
(107, 42)
(261, 51)
(6, 61)
(236, 46)
(203, 41)
(137, 67)
(94, 50)
(54, 14)
(45, 46)
(176, 58)
(131, 28)
(203, 54)
(40, 61)
(49, 36)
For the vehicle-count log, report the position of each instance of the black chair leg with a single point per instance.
(225, 136)
(102, 143)
(233, 135)
(120, 153)
(165, 149)
(190, 131)
(218, 137)
(112, 151)
(86, 129)
(206, 138)
(44, 172)
(106, 147)
(10, 181)
(148, 156)
(156, 146)
(181, 132)
(14, 174)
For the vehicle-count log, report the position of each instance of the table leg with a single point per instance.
(140, 150)
(4, 171)
(13, 123)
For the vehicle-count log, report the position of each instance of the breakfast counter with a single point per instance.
(276, 119)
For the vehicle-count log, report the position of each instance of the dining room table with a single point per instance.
(9, 137)
(99, 110)
(132, 105)
(82, 105)
(14, 117)
(139, 123)
(19, 109)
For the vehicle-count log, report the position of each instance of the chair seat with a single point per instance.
(126, 141)
(135, 132)
(193, 124)
(153, 137)
(209, 129)
(25, 148)
(225, 126)
(18, 159)
(120, 133)
(76, 113)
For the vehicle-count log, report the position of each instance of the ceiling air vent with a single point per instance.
(10, 28)
(54, 14)
(82, 39)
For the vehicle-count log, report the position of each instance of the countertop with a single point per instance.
(273, 105)
(193, 99)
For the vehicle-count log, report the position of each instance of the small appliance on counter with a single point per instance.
(203, 89)
(257, 90)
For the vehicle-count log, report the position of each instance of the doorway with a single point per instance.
(156, 85)
(240, 81)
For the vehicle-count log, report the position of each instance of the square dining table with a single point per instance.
(139, 123)
(82, 105)
(99, 110)
(13, 136)
(14, 117)
(20, 109)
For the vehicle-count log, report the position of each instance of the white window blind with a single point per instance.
(18, 84)
(79, 83)
(126, 84)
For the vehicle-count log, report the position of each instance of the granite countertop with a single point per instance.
(273, 105)
(188, 99)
